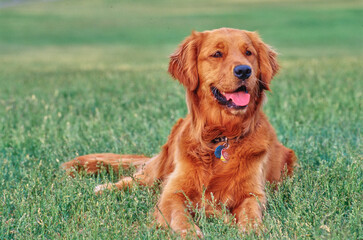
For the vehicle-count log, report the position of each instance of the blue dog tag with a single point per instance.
(218, 151)
(221, 153)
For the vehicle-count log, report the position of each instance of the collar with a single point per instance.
(220, 139)
(225, 139)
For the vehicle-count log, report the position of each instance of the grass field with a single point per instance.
(80, 77)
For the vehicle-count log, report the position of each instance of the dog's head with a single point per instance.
(226, 70)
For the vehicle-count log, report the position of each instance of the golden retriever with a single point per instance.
(225, 149)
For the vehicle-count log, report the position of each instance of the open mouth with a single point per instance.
(238, 99)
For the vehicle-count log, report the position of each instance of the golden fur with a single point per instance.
(186, 164)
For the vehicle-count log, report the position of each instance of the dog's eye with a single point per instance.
(248, 53)
(217, 54)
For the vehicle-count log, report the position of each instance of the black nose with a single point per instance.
(242, 71)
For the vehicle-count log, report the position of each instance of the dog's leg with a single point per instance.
(282, 161)
(290, 161)
(146, 175)
(93, 162)
(249, 212)
(126, 182)
(122, 184)
(170, 211)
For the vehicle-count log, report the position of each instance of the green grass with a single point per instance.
(79, 77)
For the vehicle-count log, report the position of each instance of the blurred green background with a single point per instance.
(79, 77)
(120, 30)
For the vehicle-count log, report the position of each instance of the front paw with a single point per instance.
(179, 223)
(247, 225)
(193, 232)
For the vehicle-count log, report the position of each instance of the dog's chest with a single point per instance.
(233, 180)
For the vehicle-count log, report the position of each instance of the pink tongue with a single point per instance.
(239, 98)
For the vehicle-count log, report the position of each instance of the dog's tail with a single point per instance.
(93, 162)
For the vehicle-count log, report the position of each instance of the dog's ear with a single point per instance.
(183, 62)
(267, 60)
